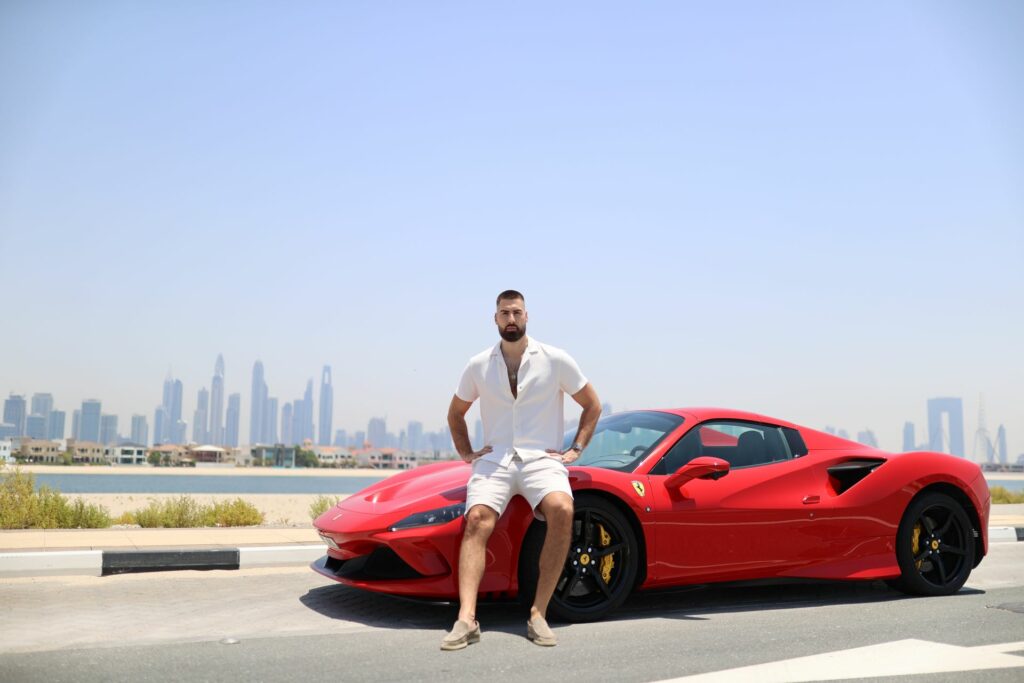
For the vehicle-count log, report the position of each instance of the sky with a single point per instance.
(809, 210)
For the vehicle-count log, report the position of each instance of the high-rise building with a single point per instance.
(286, 425)
(55, 425)
(909, 443)
(414, 432)
(140, 430)
(89, 426)
(108, 430)
(359, 439)
(178, 425)
(42, 404)
(326, 406)
(867, 437)
(307, 413)
(233, 420)
(271, 421)
(1001, 444)
(377, 432)
(216, 428)
(256, 410)
(14, 413)
(201, 417)
(35, 427)
(76, 423)
(939, 438)
(341, 438)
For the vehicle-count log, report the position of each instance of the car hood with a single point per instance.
(421, 489)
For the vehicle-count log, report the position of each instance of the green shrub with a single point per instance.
(22, 507)
(1001, 495)
(322, 504)
(236, 512)
(185, 512)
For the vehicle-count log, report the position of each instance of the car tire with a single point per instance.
(934, 546)
(590, 585)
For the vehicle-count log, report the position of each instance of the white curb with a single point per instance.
(279, 555)
(79, 562)
(1001, 534)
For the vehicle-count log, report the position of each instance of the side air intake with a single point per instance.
(846, 474)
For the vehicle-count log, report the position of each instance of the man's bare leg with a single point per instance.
(480, 522)
(557, 510)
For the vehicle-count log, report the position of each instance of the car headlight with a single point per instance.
(432, 517)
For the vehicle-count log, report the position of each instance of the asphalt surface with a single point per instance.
(291, 624)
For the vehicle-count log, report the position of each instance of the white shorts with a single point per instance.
(493, 485)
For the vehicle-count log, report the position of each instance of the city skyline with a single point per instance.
(810, 211)
(944, 423)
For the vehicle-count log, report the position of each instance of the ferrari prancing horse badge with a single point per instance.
(639, 487)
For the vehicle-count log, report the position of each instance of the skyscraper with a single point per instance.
(938, 437)
(233, 420)
(377, 432)
(1001, 444)
(216, 429)
(908, 437)
(307, 413)
(286, 425)
(42, 404)
(259, 398)
(76, 423)
(14, 413)
(867, 437)
(89, 426)
(178, 425)
(270, 437)
(414, 433)
(55, 425)
(35, 427)
(108, 429)
(326, 406)
(341, 438)
(140, 430)
(200, 417)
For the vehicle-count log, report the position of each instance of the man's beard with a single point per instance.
(513, 335)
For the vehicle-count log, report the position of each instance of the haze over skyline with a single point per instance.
(810, 211)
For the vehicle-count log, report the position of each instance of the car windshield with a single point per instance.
(621, 441)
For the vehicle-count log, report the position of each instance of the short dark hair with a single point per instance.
(509, 294)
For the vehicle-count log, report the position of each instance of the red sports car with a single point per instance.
(674, 497)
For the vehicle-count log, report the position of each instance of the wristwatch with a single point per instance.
(576, 447)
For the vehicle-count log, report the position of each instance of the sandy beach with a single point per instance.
(209, 471)
(280, 509)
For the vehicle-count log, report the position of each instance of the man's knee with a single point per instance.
(480, 520)
(558, 509)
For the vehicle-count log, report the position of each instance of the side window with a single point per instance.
(741, 444)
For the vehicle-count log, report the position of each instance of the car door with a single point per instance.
(757, 520)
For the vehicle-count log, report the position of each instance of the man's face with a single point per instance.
(511, 319)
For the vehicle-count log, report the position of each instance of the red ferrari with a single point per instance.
(673, 497)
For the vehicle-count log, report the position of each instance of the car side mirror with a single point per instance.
(698, 468)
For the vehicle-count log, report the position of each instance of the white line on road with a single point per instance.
(896, 658)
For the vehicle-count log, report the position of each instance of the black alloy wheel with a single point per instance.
(600, 569)
(934, 546)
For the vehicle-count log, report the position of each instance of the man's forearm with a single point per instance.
(588, 421)
(460, 433)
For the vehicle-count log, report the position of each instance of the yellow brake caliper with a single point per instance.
(916, 545)
(607, 563)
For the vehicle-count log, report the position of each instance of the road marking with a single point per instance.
(897, 658)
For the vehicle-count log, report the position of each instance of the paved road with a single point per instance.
(290, 624)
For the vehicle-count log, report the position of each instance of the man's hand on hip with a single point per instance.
(565, 457)
(476, 454)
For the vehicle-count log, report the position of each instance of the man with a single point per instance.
(521, 384)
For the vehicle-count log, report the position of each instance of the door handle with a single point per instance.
(810, 500)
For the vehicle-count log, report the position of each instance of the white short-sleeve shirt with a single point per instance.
(529, 424)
